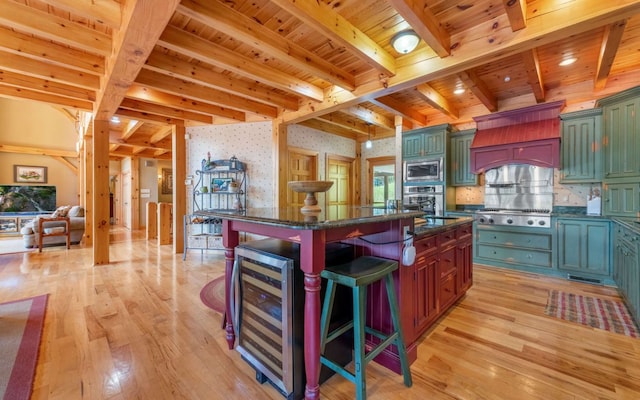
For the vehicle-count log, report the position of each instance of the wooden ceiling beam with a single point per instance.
(237, 25)
(151, 95)
(346, 121)
(534, 74)
(425, 24)
(437, 101)
(322, 18)
(49, 26)
(177, 68)
(324, 126)
(46, 86)
(68, 164)
(142, 24)
(479, 89)
(22, 93)
(131, 128)
(370, 116)
(233, 106)
(408, 114)
(37, 151)
(146, 117)
(608, 49)
(142, 106)
(38, 69)
(161, 133)
(115, 139)
(194, 46)
(517, 13)
(44, 50)
(105, 12)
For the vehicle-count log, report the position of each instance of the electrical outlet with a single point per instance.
(407, 236)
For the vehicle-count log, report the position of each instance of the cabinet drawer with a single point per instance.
(447, 238)
(464, 231)
(426, 245)
(515, 255)
(448, 290)
(530, 241)
(197, 241)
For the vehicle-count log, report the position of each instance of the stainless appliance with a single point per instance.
(517, 195)
(428, 198)
(267, 307)
(424, 170)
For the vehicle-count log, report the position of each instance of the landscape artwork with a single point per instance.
(29, 174)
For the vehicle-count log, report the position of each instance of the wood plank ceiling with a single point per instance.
(325, 64)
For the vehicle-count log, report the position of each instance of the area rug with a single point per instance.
(598, 313)
(21, 323)
(212, 294)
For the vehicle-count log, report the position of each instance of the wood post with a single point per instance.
(152, 220)
(164, 223)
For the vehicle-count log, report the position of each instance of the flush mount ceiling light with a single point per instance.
(405, 42)
(567, 61)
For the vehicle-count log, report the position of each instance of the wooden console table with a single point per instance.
(41, 234)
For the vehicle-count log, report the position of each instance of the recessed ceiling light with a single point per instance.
(567, 61)
(115, 119)
(507, 78)
(458, 91)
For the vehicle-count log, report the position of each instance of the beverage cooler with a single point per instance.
(268, 312)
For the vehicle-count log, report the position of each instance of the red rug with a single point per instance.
(212, 294)
(21, 323)
(598, 313)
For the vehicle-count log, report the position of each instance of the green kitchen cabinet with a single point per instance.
(460, 159)
(523, 248)
(621, 113)
(581, 147)
(584, 247)
(425, 142)
(626, 266)
(621, 199)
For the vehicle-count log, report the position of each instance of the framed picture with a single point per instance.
(8, 225)
(29, 174)
(167, 181)
(221, 184)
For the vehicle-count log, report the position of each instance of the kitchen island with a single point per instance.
(372, 231)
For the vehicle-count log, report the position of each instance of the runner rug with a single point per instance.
(598, 313)
(212, 294)
(21, 325)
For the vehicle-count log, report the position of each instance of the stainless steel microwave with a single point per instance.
(425, 170)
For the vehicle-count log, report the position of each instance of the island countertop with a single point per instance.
(329, 218)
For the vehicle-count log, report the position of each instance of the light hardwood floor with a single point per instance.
(136, 329)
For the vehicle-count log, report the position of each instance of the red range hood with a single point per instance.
(528, 135)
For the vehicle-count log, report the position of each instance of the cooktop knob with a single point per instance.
(481, 220)
(530, 222)
(491, 220)
(541, 222)
(509, 221)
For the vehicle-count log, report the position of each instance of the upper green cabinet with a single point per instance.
(425, 142)
(581, 147)
(622, 134)
(460, 159)
(621, 143)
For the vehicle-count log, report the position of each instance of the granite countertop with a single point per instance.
(436, 224)
(328, 218)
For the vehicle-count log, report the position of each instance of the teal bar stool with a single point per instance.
(358, 274)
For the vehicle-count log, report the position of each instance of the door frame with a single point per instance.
(372, 162)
